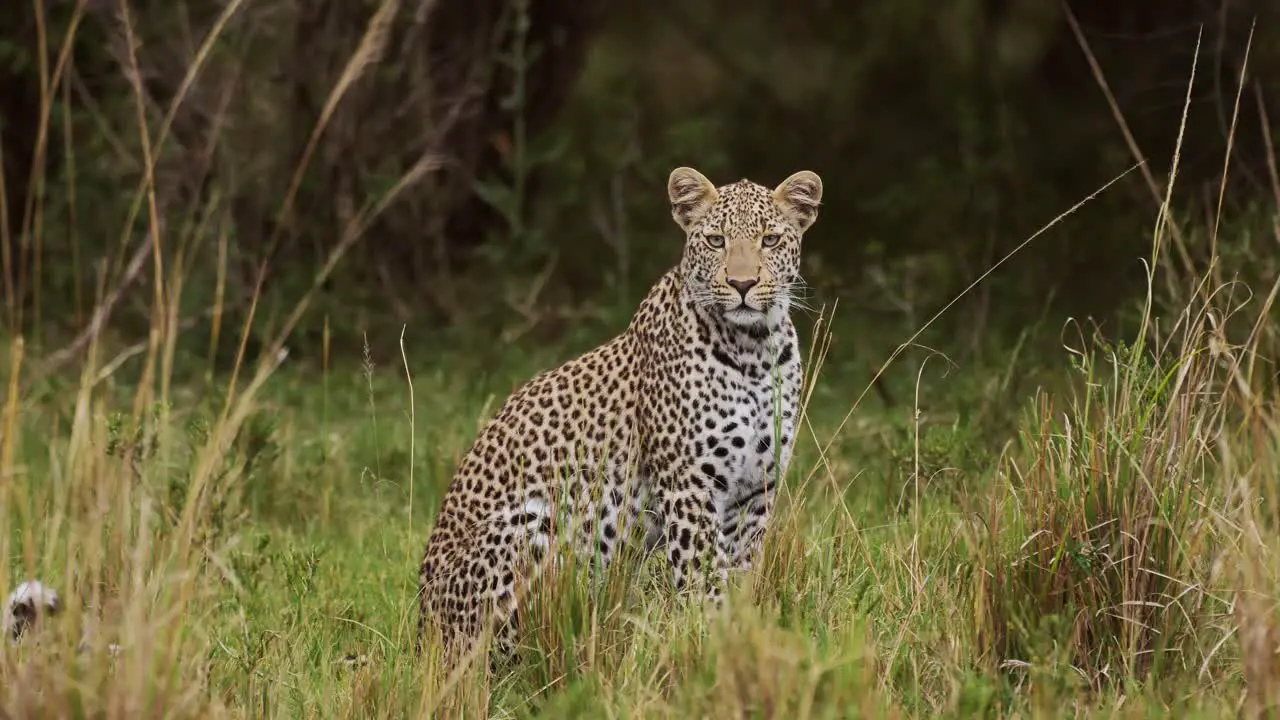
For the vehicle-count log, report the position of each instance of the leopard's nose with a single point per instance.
(743, 286)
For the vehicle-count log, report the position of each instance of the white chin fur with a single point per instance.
(744, 316)
(773, 315)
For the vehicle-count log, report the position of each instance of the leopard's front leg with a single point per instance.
(743, 524)
(691, 525)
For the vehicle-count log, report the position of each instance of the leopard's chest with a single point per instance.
(743, 421)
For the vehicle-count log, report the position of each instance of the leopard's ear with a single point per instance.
(691, 193)
(799, 197)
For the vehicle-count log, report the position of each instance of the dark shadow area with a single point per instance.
(499, 165)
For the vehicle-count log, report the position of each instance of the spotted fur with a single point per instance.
(677, 429)
(32, 601)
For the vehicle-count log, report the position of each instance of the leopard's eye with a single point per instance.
(715, 241)
(770, 240)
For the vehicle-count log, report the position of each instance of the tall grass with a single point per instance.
(1114, 500)
(1120, 557)
(131, 517)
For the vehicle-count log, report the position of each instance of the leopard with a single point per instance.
(34, 604)
(674, 435)
(28, 605)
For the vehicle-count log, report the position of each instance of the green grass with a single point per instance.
(972, 551)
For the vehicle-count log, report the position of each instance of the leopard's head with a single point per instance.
(742, 253)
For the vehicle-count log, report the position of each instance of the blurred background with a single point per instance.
(500, 165)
